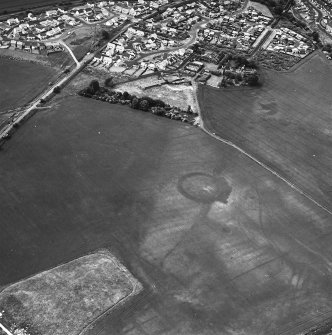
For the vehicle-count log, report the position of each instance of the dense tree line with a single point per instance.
(146, 104)
(143, 103)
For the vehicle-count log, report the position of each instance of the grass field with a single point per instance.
(20, 82)
(66, 299)
(260, 7)
(220, 245)
(10, 5)
(81, 41)
(287, 123)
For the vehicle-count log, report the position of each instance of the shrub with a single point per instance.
(94, 86)
(109, 82)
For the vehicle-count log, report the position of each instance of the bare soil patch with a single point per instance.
(66, 299)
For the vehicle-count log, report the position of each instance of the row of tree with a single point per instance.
(143, 103)
(146, 104)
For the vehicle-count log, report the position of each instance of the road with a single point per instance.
(47, 94)
(70, 52)
(3, 328)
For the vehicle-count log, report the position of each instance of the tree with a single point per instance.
(109, 82)
(126, 95)
(94, 86)
(252, 64)
(278, 10)
(238, 76)
(150, 101)
(134, 103)
(327, 47)
(105, 35)
(315, 36)
(159, 103)
(253, 80)
(144, 105)
(57, 89)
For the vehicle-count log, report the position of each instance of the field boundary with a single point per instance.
(102, 251)
(136, 288)
(135, 283)
(263, 165)
(299, 63)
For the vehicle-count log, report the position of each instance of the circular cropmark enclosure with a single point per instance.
(202, 187)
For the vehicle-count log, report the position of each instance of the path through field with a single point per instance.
(286, 124)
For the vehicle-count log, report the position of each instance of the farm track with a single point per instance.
(256, 141)
(246, 153)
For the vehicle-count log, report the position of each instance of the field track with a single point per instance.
(289, 183)
(285, 125)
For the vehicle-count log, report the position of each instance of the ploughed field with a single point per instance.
(21, 81)
(220, 245)
(287, 123)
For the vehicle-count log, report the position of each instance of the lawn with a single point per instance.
(287, 123)
(67, 298)
(220, 244)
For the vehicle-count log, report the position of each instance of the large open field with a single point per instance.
(287, 123)
(220, 244)
(20, 82)
(10, 5)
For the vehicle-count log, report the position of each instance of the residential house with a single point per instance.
(19, 45)
(134, 12)
(52, 12)
(16, 30)
(24, 25)
(105, 12)
(102, 4)
(62, 11)
(110, 50)
(30, 37)
(13, 22)
(162, 65)
(31, 17)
